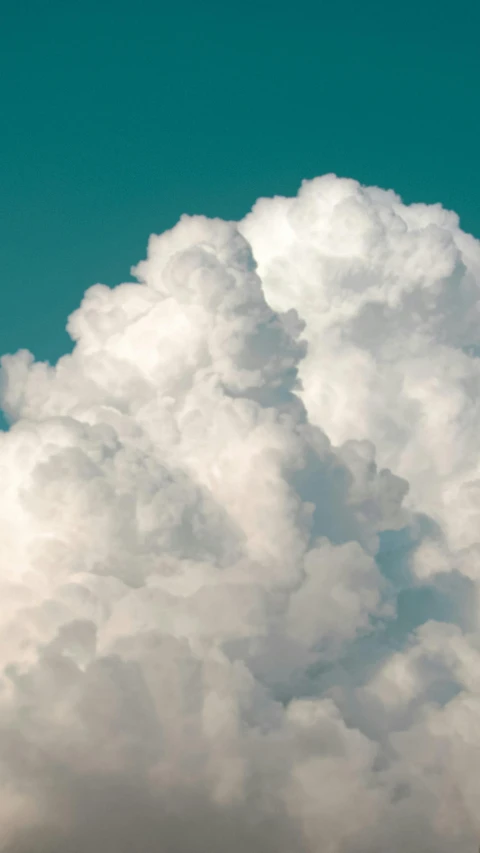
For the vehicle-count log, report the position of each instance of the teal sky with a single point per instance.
(118, 117)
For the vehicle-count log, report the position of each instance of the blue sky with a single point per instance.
(117, 118)
(233, 546)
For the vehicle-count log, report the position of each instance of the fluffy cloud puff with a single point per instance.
(239, 544)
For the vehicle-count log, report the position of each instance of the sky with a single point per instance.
(240, 491)
(118, 118)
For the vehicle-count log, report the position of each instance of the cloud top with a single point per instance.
(239, 543)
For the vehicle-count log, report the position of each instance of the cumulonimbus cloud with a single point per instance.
(239, 574)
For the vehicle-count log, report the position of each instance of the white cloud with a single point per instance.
(213, 512)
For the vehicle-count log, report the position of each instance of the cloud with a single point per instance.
(239, 543)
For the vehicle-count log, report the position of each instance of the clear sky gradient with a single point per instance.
(118, 117)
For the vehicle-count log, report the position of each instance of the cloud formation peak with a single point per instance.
(239, 543)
